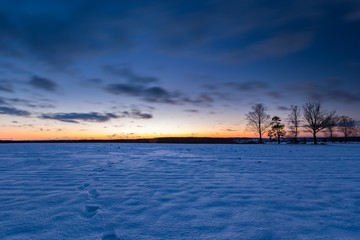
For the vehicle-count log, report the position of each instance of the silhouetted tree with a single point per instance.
(294, 121)
(332, 124)
(346, 126)
(277, 129)
(317, 119)
(257, 120)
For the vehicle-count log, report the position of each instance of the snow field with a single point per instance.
(169, 191)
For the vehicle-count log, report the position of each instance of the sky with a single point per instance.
(86, 69)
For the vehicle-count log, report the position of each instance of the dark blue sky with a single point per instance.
(168, 68)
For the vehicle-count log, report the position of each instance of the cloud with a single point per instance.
(39, 103)
(12, 68)
(13, 111)
(203, 99)
(74, 117)
(43, 83)
(59, 32)
(6, 87)
(136, 114)
(340, 95)
(2, 101)
(230, 130)
(353, 15)
(247, 86)
(328, 90)
(79, 117)
(140, 86)
(156, 94)
(149, 94)
(129, 75)
(191, 110)
(283, 108)
(274, 94)
(93, 82)
(276, 46)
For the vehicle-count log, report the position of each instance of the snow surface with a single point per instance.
(166, 191)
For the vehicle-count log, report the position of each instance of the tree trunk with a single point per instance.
(331, 136)
(346, 138)
(315, 140)
(278, 138)
(260, 137)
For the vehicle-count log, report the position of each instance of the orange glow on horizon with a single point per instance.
(21, 134)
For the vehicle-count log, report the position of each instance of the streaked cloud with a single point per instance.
(247, 85)
(6, 87)
(136, 114)
(43, 84)
(149, 94)
(74, 117)
(276, 46)
(129, 75)
(7, 110)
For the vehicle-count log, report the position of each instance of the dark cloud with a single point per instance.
(273, 47)
(191, 110)
(161, 95)
(43, 103)
(2, 101)
(248, 85)
(60, 31)
(203, 99)
(74, 117)
(156, 94)
(43, 83)
(149, 94)
(6, 87)
(274, 94)
(283, 108)
(136, 114)
(129, 75)
(336, 95)
(12, 68)
(13, 111)
(353, 15)
(328, 90)
(210, 87)
(230, 130)
(93, 81)
(79, 117)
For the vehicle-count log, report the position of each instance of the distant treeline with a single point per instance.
(186, 140)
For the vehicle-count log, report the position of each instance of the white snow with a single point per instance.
(166, 191)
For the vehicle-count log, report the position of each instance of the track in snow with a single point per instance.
(165, 191)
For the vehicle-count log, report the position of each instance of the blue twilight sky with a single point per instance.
(117, 69)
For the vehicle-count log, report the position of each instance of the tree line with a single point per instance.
(311, 116)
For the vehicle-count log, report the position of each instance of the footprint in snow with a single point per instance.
(90, 211)
(98, 170)
(93, 194)
(84, 186)
(109, 236)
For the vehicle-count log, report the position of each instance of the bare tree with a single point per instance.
(346, 126)
(257, 120)
(317, 119)
(277, 129)
(332, 124)
(294, 121)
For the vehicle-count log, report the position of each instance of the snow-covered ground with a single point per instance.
(165, 191)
